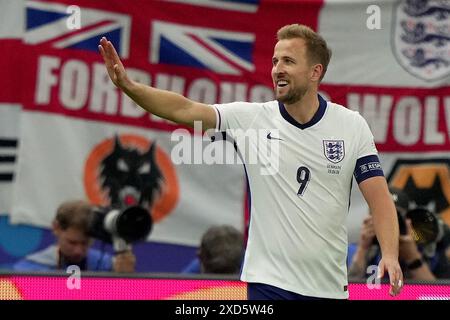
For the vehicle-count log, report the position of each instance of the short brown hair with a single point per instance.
(317, 49)
(74, 214)
(221, 250)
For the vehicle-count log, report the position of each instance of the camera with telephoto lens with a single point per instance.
(427, 227)
(120, 227)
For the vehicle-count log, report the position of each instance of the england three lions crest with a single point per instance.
(421, 37)
(334, 150)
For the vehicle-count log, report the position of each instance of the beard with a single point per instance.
(292, 96)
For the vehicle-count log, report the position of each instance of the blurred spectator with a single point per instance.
(72, 247)
(221, 251)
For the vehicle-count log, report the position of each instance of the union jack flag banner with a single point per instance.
(66, 130)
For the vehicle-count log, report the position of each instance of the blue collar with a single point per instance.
(316, 118)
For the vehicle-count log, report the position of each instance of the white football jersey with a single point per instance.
(299, 191)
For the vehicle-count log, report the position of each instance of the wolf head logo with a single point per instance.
(130, 177)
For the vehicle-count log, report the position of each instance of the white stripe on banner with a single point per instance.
(6, 168)
(9, 120)
(227, 5)
(9, 132)
(6, 152)
(12, 17)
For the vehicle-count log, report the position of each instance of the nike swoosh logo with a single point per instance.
(269, 136)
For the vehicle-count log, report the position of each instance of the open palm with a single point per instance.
(116, 70)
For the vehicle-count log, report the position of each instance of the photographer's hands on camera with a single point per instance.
(124, 262)
(367, 233)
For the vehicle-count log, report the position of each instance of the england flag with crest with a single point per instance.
(421, 38)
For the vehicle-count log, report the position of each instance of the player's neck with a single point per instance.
(304, 109)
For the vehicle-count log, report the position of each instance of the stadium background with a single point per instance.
(57, 109)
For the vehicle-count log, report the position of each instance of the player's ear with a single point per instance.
(316, 72)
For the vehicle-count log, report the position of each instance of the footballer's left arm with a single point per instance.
(376, 192)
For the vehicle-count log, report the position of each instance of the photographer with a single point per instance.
(221, 252)
(72, 247)
(421, 258)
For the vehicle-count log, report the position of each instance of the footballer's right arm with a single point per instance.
(165, 104)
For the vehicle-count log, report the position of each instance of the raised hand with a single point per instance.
(115, 68)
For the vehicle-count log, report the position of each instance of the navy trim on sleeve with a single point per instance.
(367, 167)
(220, 119)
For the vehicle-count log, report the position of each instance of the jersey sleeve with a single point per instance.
(235, 115)
(367, 164)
